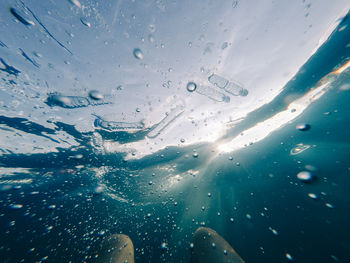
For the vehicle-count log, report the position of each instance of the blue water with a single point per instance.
(63, 190)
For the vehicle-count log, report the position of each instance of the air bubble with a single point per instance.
(274, 231)
(164, 246)
(212, 94)
(76, 3)
(305, 176)
(299, 148)
(218, 81)
(16, 206)
(235, 3)
(312, 196)
(96, 95)
(303, 127)
(191, 86)
(138, 53)
(289, 257)
(20, 18)
(329, 205)
(85, 22)
(99, 189)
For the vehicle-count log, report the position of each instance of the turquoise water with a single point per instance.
(75, 168)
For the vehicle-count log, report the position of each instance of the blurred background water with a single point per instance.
(152, 118)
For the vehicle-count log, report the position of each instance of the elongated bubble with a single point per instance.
(212, 93)
(118, 126)
(171, 116)
(20, 18)
(218, 81)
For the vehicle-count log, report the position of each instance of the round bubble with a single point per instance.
(191, 86)
(305, 176)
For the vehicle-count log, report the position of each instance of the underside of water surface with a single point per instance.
(154, 118)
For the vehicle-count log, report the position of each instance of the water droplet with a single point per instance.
(138, 53)
(195, 155)
(85, 22)
(248, 216)
(209, 194)
(305, 176)
(182, 140)
(191, 86)
(289, 257)
(191, 245)
(96, 95)
(149, 215)
(225, 252)
(150, 182)
(230, 158)
(303, 127)
(213, 245)
(138, 110)
(52, 206)
(203, 208)
(231, 219)
(175, 203)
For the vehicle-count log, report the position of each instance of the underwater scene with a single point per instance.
(174, 131)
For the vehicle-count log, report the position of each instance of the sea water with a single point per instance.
(94, 147)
